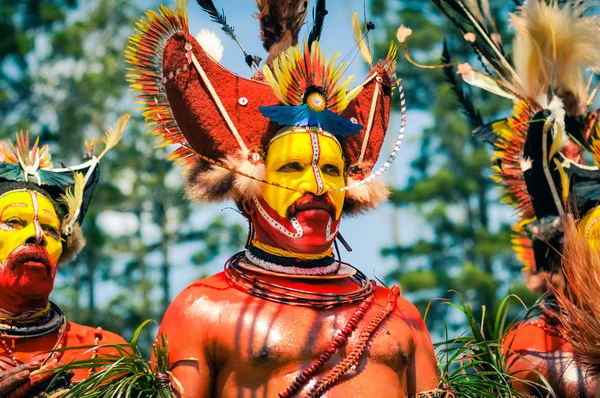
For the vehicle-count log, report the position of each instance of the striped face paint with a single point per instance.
(27, 217)
(312, 164)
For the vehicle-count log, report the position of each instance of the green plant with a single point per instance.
(473, 364)
(126, 374)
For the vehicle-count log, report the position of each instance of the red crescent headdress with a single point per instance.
(214, 115)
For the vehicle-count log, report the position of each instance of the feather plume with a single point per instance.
(359, 38)
(73, 198)
(579, 314)
(462, 95)
(211, 43)
(553, 45)
(319, 14)
(280, 24)
(479, 79)
(219, 17)
(114, 135)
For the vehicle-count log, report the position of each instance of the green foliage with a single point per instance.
(474, 364)
(124, 374)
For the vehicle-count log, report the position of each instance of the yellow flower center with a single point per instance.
(316, 102)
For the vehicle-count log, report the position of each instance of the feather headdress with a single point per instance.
(222, 123)
(70, 188)
(538, 160)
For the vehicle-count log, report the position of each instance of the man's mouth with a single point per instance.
(30, 257)
(311, 202)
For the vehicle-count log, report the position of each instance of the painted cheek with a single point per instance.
(54, 248)
(10, 240)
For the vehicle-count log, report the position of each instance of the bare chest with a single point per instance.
(270, 337)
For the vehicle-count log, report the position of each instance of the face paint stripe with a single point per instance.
(3, 226)
(314, 140)
(299, 232)
(39, 233)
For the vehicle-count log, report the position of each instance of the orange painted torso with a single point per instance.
(253, 347)
(532, 350)
(76, 335)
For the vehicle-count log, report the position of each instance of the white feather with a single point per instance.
(211, 43)
(553, 45)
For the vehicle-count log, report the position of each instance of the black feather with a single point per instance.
(319, 13)
(219, 17)
(462, 95)
(486, 134)
(481, 47)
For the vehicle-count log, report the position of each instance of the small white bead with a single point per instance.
(243, 101)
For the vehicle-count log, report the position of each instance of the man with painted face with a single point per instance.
(41, 209)
(286, 317)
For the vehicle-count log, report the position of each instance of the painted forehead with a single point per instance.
(25, 197)
(323, 138)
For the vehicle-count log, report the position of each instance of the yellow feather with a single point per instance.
(564, 181)
(273, 83)
(556, 143)
(114, 135)
(73, 198)
(360, 41)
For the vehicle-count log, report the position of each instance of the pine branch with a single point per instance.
(319, 13)
(463, 97)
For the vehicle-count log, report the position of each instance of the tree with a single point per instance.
(449, 183)
(71, 86)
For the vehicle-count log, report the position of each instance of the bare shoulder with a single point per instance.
(87, 334)
(202, 299)
(404, 311)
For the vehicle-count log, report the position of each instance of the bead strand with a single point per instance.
(97, 338)
(392, 156)
(340, 341)
(8, 350)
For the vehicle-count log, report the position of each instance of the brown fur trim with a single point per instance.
(206, 183)
(365, 197)
(579, 304)
(72, 245)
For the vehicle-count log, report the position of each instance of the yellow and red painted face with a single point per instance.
(304, 162)
(28, 218)
(304, 218)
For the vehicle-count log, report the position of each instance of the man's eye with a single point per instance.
(331, 170)
(53, 232)
(291, 167)
(13, 223)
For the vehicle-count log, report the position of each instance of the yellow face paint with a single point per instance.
(590, 228)
(28, 215)
(305, 161)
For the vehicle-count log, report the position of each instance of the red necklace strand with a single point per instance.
(340, 341)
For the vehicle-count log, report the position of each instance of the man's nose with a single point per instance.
(312, 182)
(33, 240)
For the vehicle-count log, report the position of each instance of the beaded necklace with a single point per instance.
(255, 286)
(55, 320)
